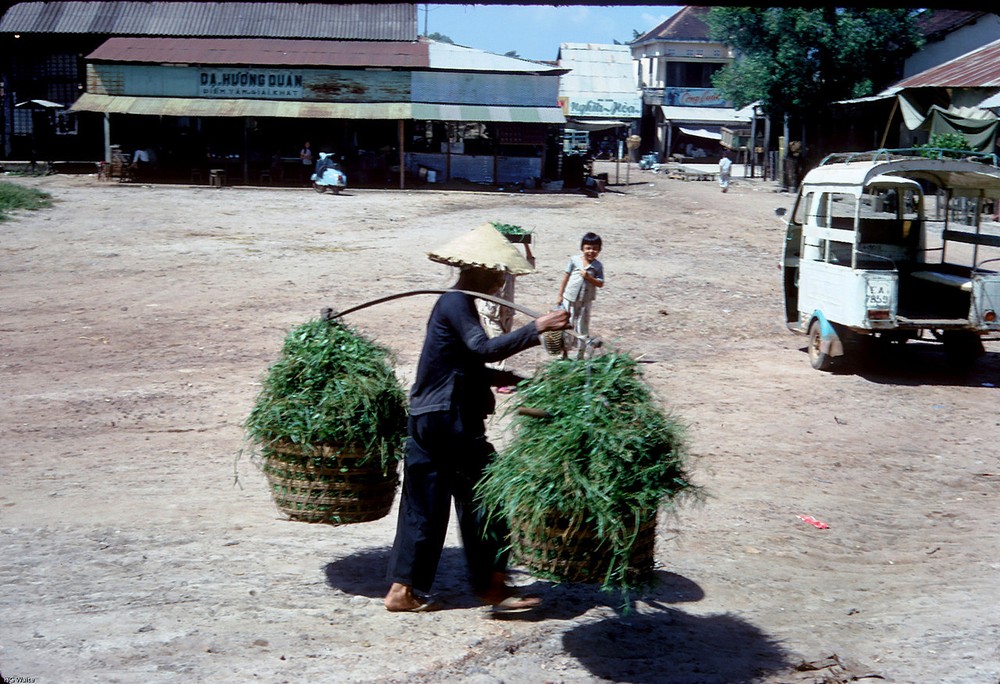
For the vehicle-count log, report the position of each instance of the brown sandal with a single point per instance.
(516, 604)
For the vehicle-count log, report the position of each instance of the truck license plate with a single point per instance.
(878, 295)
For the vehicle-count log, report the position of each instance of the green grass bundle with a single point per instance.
(331, 386)
(605, 455)
(13, 196)
(511, 232)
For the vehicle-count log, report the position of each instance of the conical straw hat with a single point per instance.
(484, 247)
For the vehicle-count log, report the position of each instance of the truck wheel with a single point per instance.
(319, 188)
(817, 358)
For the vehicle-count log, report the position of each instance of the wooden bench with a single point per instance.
(963, 284)
(971, 238)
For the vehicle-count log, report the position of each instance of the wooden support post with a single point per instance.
(402, 156)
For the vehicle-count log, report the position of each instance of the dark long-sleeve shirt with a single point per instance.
(451, 374)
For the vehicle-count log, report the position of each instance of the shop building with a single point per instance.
(600, 98)
(683, 114)
(223, 85)
(43, 46)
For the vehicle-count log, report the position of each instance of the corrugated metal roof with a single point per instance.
(687, 25)
(262, 52)
(396, 21)
(937, 23)
(446, 56)
(977, 69)
(185, 106)
(597, 70)
(992, 102)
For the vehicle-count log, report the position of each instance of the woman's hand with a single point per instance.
(553, 320)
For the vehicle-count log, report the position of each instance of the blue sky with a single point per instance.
(535, 31)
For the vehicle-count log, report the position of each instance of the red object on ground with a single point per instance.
(809, 520)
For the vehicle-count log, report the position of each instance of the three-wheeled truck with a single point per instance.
(888, 246)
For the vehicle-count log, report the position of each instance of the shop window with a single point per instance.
(802, 209)
(65, 123)
(836, 210)
(690, 74)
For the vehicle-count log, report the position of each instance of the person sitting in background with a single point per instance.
(325, 162)
(143, 159)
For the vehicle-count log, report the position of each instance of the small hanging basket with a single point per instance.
(570, 550)
(328, 484)
(553, 342)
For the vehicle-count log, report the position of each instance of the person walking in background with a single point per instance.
(584, 275)
(725, 171)
(277, 173)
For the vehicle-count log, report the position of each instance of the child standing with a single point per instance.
(584, 274)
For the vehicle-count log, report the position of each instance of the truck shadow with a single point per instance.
(918, 363)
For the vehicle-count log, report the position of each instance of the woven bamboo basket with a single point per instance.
(328, 484)
(571, 550)
(553, 342)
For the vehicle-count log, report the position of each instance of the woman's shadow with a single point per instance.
(364, 574)
(665, 645)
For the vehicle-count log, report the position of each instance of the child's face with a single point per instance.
(590, 252)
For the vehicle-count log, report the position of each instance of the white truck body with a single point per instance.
(894, 248)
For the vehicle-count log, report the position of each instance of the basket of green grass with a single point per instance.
(582, 485)
(515, 234)
(328, 426)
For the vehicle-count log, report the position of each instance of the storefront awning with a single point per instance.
(183, 106)
(711, 115)
(38, 104)
(594, 124)
(701, 133)
(495, 113)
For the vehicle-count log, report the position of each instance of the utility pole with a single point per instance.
(427, 9)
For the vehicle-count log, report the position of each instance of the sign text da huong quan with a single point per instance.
(249, 83)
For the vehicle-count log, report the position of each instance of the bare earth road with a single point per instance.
(136, 323)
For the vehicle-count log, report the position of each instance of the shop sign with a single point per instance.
(694, 97)
(263, 83)
(603, 107)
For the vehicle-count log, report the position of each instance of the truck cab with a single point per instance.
(891, 246)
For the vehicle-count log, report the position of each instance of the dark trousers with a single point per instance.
(443, 462)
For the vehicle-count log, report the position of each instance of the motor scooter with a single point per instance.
(329, 174)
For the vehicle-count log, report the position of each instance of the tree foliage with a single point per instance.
(441, 38)
(940, 145)
(797, 60)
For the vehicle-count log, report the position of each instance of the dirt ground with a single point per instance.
(136, 545)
